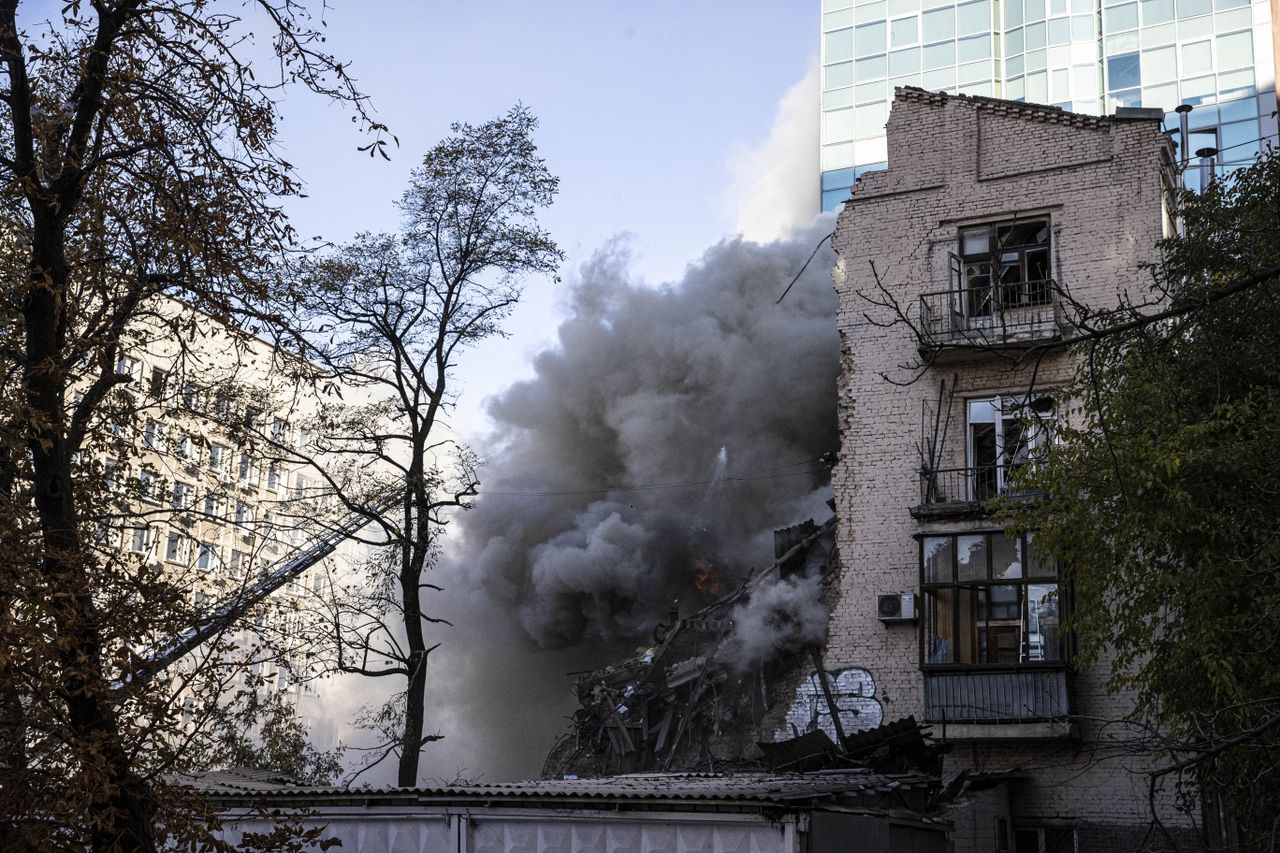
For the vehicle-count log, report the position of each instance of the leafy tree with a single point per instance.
(390, 316)
(1164, 506)
(136, 161)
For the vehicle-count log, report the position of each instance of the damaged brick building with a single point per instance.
(995, 223)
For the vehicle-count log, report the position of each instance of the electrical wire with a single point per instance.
(678, 484)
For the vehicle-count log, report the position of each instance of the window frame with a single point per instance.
(1023, 583)
(1035, 442)
(1028, 292)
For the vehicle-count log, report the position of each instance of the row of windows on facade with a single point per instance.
(213, 404)
(180, 548)
(181, 495)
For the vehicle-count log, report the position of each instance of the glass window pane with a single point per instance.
(869, 39)
(971, 557)
(938, 24)
(1123, 72)
(1123, 43)
(1195, 28)
(901, 7)
(1035, 36)
(839, 76)
(837, 99)
(973, 48)
(1159, 65)
(1082, 28)
(865, 93)
(904, 61)
(973, 74)
(837, 20)
(1034, 10)
(1038, 87)
(1119, 18)
(1156, 11)
(1006, 557)
(870, 119)
(838, 46)
(1235, 51)
(966, 639)
(1039, 564)
(1059, 31)
(1044, 636)
(869, 69)
(973, 18)
(1156, 36)
(1000, 624)
(1013, 43)
(939, 626)
(1229, 22)
(939, 567)
(837, 126)
(1012, 13)
(1191, 8)
(903, 31)
(939, 55)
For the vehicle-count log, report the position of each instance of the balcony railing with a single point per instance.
(991, 315)
(973, 485)
(1017, 696)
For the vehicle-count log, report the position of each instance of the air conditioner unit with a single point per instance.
(896, 607)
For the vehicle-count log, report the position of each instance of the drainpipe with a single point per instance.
(1184, 143)
(1207, 166)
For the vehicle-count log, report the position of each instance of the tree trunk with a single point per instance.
(122, 808)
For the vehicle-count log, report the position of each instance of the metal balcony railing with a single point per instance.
(1016, 696)
(967, 485)
(999, 314)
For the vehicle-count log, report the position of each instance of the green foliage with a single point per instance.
(1165, 505)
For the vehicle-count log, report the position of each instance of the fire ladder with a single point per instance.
(154, 660)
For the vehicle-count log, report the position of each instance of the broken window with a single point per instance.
(1004, 435)
(1004, 265)
(159, 379)
(989, 599)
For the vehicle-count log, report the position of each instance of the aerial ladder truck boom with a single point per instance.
(234, 606)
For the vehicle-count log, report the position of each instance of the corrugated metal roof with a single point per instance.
(751, 787)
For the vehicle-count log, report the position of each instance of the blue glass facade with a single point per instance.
(1087, 56)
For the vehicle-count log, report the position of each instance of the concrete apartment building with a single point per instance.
(989, 212)
(211, 490)
(1087, 56)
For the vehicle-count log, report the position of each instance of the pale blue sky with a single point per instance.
(644, 108)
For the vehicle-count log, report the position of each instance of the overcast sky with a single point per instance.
(656, 115)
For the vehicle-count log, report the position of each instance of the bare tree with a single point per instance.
(390, 316)
(136, 160)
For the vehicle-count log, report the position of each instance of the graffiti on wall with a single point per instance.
(854, 691)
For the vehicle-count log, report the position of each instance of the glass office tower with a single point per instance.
(1087, 56)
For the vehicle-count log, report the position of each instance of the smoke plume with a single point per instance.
(644, 467)
(660, 444)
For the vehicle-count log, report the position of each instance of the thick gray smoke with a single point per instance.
(704, 382)
(664, 439)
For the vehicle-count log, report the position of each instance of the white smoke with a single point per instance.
(786, 614)
(774, 186)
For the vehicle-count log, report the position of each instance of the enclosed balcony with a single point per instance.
(1020, 696)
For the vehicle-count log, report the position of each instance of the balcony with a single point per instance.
(1030, 702)
(958, 492)
(1001, 315)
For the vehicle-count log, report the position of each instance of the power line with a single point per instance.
(678, 484)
